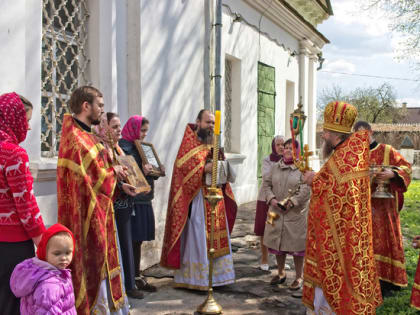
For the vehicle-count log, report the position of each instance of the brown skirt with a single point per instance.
(260, 217)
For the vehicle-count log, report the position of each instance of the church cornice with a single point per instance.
(313, 11)
(284, 15)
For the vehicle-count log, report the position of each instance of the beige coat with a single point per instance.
(288, 233)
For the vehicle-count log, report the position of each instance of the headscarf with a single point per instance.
(13, 124)
(101, 129)
(274, 156)
(131, 130)
(102, 132)
(290, 161)
(41, 251)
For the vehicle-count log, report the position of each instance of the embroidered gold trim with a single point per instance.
(82, 291)
(186, 178)
(416, 286)
(341, 259)
(311, 262)
(394, 283)
(92, 203)
(386, 154)
(416, 307)
(348, 177)
(406, 169)
(66, 163)
(390, 261)
(190, 154)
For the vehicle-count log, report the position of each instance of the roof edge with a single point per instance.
(302, 19)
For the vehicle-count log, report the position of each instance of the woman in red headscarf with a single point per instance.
(288, 198)
(142, 216)
(277, 146)
(21, 223)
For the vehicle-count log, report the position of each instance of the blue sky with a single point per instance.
(361, 43)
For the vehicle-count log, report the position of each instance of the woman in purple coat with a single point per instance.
(43, 283)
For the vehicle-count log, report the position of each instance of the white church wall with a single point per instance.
(245, 43)
(172, 87)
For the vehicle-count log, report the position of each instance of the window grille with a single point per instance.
(64, 64)
(228, 106)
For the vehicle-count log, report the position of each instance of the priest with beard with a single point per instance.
(188, 221)
(339, 269)
(86, 180)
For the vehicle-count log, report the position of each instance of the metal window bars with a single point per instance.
(64, 64)
(228, 106)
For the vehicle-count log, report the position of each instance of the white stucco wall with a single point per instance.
(244, 43)
(172, 84)
(150, 58)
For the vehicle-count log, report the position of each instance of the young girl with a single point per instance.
(43, 283)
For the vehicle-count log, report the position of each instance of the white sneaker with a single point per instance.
(264, 267)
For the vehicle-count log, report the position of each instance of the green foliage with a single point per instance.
(399, 303)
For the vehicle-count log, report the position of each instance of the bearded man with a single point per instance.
(86, 180)
(187, 230)
(387, 237)
(339, 272)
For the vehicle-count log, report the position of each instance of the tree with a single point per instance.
(405, 15)
(374, 105)
(328, 95)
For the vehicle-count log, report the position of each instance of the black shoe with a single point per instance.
(135, 294)
(144, 286)
(277, 280)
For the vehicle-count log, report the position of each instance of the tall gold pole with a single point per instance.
(210, 306)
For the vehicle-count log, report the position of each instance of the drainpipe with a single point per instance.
(218, 57)
(209, 58)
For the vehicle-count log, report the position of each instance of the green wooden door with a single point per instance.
(266, 111)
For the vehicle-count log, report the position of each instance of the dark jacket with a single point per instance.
(129, 148)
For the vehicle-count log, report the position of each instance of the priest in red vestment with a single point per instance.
(187, 227)
(415, 291)
(387, 237)
(339, 272)
(86, 181)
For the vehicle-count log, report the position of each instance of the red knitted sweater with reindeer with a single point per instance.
(20, 219)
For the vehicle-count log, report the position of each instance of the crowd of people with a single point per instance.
(346, 244)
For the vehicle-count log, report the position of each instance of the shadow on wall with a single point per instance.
(173, 46)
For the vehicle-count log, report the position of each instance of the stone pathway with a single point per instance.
(250, 294)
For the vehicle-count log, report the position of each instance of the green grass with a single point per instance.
(399, 303)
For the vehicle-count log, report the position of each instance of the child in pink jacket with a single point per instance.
(43, 283)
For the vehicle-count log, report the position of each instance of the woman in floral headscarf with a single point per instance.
(21, 223)
(262, 207)
(142, 219)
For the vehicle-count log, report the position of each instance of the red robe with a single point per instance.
(387, 237)
(415, 291)
(187, 180)
(339, 251)
(85, 185)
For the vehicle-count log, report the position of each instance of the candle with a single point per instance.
(217, 123)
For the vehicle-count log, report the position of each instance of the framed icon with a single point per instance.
(135, 176)
(149, 156)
